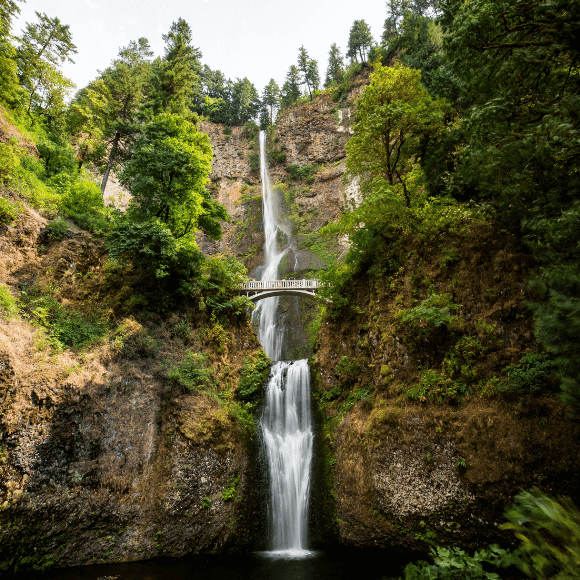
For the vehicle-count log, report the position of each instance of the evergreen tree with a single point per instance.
(122, 86)
(291, 88)
(8, 70)
(42, 49)
(335, 69)
(360, 41)
(271, 98)
(245, 102)
(176, 85)
(309, 70)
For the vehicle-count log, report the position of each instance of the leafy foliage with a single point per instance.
(9, 211)
(531, 376)
(57, 229)
(254, 376)
(454, 563)
(8, 304)
(9, 161)
(167, 175)
(549, 531)
(66, 326)
(43, 47)
(151, 246)
(394, 113)
(433, 312)
(193, 373)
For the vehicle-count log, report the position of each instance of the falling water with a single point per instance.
(285, 424)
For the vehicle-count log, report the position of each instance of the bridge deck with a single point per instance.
(262, 285)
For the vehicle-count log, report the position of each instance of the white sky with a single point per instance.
(254, 38)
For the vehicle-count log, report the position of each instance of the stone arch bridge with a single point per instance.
(257, 290)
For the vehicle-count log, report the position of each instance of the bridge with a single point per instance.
(257, 290)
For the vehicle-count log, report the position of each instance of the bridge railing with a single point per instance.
(279, 284)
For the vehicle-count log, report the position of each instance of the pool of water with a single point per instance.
(301, 565)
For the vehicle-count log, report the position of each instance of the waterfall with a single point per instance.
(287, 433)
(285, 424)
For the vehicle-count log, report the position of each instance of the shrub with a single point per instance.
(57, 229)
(82, 196)
(433, 312)
(454, 564)
(305, 172)
(9, 211)
(549, 531)
(254, 161)
(531, 376)
(57, 158)
(254, 375)
(8, 305)
(66, 327)
(277, 156)
(152, 247)
(9, 161)
(192, 372)
(434, 387)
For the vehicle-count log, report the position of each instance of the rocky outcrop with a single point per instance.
(407, 471)
(103, 458)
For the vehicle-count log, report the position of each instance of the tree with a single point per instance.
(271, 97)
(167, 176)
(393, 113)
(518, 145)
(360, 41)
(44, 47)
(309, 69)
(8, 69)
(245, 102)
(85, 122)
(291, 88)
(122, 86)
(335, 69)
(312, 77)
(397, 10)
(177, 76)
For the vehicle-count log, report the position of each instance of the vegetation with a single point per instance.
(549, 533)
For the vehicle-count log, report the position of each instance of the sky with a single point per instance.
(258, 39)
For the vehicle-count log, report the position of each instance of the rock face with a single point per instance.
(102, 458)
(405, 470)
(312, 134)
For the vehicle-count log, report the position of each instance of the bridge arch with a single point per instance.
(257, 290)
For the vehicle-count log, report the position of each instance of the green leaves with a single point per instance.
(549, 531)
(393, 113)
(167, 175)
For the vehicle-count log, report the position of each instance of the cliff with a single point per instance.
(104, 457)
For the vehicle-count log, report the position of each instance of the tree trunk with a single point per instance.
(110, 163)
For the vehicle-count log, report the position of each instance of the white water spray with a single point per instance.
(286, 423)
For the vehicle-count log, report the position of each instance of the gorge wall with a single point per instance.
(103, 459)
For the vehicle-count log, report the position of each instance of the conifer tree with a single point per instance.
(291, 88)
(8, 78)
(271, 98)
(123, 88)
(176, 84)
(335, 69)
(360, 41)
(42, 49)
(309, 69)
